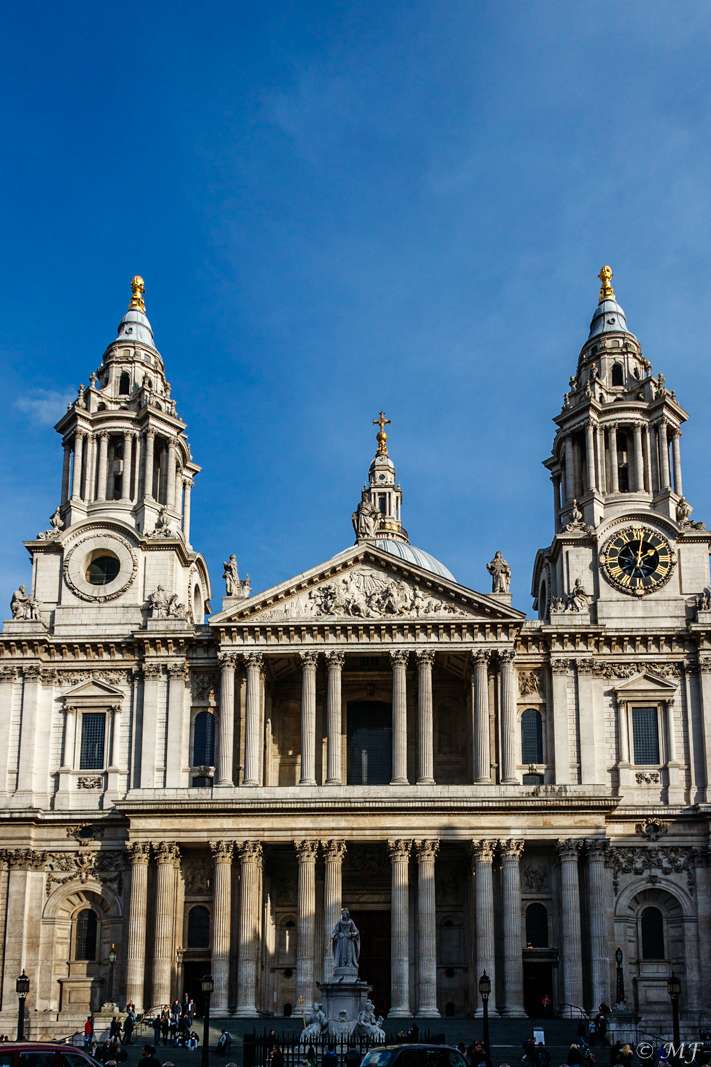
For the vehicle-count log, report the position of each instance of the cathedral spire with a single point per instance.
(378, 513)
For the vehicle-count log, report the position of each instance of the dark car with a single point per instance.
(43, 1054)
(414, 1056)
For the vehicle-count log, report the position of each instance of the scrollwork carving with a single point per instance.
(249, 851)
(222, 851)
(426, 851)
(333, 851)
(399, 850)
(484, 850)
(306, 850)
(665, 859)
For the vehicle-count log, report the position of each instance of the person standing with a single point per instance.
(88, 1031)
(165, 1023)
(128, 1025)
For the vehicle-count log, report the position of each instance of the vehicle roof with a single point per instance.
(413, 1044)
(40, 1044)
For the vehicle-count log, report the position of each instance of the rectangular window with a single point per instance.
(93, 729)
(645, 728)
(382, 503)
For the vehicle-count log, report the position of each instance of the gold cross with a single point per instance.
(382, 421)
(382, 437)
(606, 291)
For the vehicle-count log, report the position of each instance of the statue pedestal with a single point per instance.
(501, 598)
(346, 994)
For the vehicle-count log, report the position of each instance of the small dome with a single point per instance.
(417, 556)
(608, 318)
(134, 326)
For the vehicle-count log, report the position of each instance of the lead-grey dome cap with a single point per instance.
(608, 318)
(418, 556)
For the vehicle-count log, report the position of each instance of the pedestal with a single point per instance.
(347, 995)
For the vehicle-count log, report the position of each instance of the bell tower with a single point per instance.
(616, 466)
(379, 512)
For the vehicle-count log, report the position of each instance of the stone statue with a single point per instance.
(315, 1026)
(345, 940)
(159, 603)
(162, 526)
(55, 521)
(578, 599)
(231, 576)
(365, 518)
(703, 600)
(500, 574)
(683, 511)
(174, 609)
(23, 607)
(370, 1026)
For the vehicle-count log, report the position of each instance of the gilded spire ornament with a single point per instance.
(138, 289)
(606, 290)
(382, 437)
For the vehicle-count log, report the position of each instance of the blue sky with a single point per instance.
(340, 208)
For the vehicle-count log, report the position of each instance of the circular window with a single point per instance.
(103, 568)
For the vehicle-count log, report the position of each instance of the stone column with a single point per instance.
(333, 852)
(425, 727)
(400, 941)
(571, 942)
(663, 454)
(250, 854)
(148, 464)
(103, 465)
(648, 458)
(509, 723)
(399, 661)
(176, 741)
(483, 857)
(676, 459)
(480, 702)
(170, 476)
(66, 469)
(569, 471)
(614, 470)
(114, 767)
(139, 853)
(228, 663)
(555, 479)
(188, 486)
(601, 472)
(309, 661)
(561, 736)
(222, 910)
(152, 673)
(334, 773)
(29, 728)
(76, 473)
(163, 948)
(638, 458)
(590, 453)
(306, 919)
(127, 458)
(513, 941)
(705, 711)
(252, 726)
(427, 928)
(598, 908)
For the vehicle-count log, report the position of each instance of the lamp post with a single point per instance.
(22, 988)
(620, 994)
(674, 991)
(207, 987)
(112, 964)
(484, 991)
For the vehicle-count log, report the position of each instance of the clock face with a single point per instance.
(637, 560)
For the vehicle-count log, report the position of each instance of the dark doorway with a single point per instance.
(369, 742)
(193, 973)
(537, 983)
(374, 927)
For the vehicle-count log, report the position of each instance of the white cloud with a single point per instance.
(45, 406)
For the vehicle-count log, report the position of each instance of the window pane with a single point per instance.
(73, 1059)
(537, 926)
(204, 740)
(652, 934)
(7, 1059)
(369, 743)
(646, 735)
(37, 1059)
(86, 935)
(92, 741)
(199, 927)
(531, 736)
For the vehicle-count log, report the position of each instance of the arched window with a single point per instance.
(617, 374)
(537, 926)
(198, 609)
(86, 935)
(652, 934)
(531, 736)
(204, 740)
(124, 384)
(199, 927)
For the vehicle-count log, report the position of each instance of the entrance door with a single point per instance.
(374, 967)
(369, 742)
(537, 982)
(193, 972)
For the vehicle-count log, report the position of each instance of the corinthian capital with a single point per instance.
(306, 850)
(425, 657)
(399, 850)
(222, 851)
(568, 849)
(335, 659)
(309, 660)
(166, 852)
(400, 657)
(249, 851)
(255, 659)
(426, 851)
(483, 850)
(511, 850)
(333, 851)
(597, 848)
(139, 852)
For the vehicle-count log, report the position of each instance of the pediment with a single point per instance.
(365, 583)
(93, 689)
(646, 682)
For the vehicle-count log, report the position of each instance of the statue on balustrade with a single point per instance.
(500, 574)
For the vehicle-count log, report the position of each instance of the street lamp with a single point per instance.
(484, 991)
(112, 963)
(22, 988)
(674, 991)
(620, 995)
(207, 987)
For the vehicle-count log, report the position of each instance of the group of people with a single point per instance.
(119, 1033)
(174, 1024)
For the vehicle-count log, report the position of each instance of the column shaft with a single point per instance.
(66, 469)
(306, 920)
(601, 472)
(309, 661)
(598, 908)
(333, 852)
(638, 458)
(148, 464)
(570, 923)
(252, 728)
(509, 737)
(399, 662)
(163, 948)
(334, 773)
(126, 476)
(176, 741)
(400, 944)
(614, 470)
(483, 857)
(480, 696)
(250, 853)
(561, 735)
(76, 473)
(222, 908)
(513, 946)
(103, 465)
(427, 928)
(663, 455)
(186, 509)
(138, 907)
(225, 758)
(425, 725)
(676, 458)
(569, 471)
(170, 476)
(590, 453)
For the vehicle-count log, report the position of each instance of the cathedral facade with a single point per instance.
(485, 792)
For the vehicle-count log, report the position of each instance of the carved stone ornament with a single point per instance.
(106, 867)
(648, 778)
(560, 666)
(249, 851)
(26, 859)
(309, 660)
(530, 682)
(90, 781)
(8, 674)
(205, 688)
(484, 850)
(178, 670)
(139, 852)
(166, 852)
(198, 877)
(511, 850)
(333, 851)
(426, 851)
(110, 676)
(85, 833)
(534, 878)
(400, 657)
(307, 851)
(335, 660)
(75, 570)
(652, 829)
(152, 670)
(222, 851)
(664, 859)
(568, 849)
(255, 659)
(612, 669)
(399, 850)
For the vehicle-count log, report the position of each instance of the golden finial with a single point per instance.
(606, 291)
(138, 289)
(382, 437)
